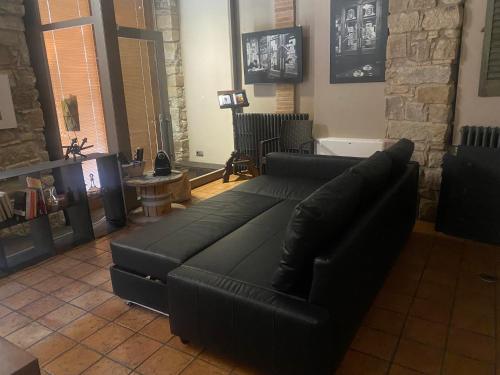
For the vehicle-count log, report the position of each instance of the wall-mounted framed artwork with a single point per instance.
(7, 113)
(273, 56)
(358, 41)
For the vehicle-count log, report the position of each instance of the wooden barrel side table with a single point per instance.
(155, 193)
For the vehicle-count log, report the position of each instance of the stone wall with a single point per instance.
(421, 76)
(26, 144)
(167, 21)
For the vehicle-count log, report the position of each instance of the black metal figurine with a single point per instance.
(76, 149)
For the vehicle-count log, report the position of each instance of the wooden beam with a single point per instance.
(284, 16)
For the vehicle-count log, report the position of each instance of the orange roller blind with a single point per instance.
(73, 71)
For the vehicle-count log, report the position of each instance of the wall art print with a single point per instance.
(358, 40)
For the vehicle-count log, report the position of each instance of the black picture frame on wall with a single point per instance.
(358, 40)
(273, 56)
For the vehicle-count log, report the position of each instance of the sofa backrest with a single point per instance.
(355, 264)
(317, 167)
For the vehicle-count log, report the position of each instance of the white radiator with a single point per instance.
(349, 146)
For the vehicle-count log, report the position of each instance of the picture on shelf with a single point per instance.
(273, 56)
(232, 99)
(358, 40)
(225, 100)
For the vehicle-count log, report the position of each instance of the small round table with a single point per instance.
(154, 191)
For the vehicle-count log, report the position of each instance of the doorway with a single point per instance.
(142, 61)
(146, 105)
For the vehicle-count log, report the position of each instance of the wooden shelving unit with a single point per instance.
(40, 239)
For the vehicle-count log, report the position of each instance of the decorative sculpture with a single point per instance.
(76, 149)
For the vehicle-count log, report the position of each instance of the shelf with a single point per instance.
(17, 220)
(48, 165)
(43, 240)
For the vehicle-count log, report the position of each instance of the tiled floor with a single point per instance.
(433, 316)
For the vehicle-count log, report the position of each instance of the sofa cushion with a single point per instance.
(315, 223)
(252, 252)
(160, 247)
(281, 187)
(376, 173)
(400, 154)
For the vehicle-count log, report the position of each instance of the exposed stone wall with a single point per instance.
(26, 144)
(167, 21)
(421, 74)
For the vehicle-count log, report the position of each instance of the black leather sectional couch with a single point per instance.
(279, 271)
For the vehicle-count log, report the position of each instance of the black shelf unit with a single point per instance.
(42, 240)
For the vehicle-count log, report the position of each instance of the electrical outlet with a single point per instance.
(199, 153)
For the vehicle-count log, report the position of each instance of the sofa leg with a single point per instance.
(184, 341)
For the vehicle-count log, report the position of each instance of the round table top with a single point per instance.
(149, 180)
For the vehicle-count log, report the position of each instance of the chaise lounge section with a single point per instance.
(226, 270)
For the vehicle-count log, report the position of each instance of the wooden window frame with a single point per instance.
(488, 88)
(102, 19)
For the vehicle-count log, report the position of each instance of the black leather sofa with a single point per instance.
(218, 268)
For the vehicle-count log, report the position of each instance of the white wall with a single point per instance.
(258, 15)
(304, 92)
(342, 110)
(206, 53)
(472, 109)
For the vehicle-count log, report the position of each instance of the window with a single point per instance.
(489, 84)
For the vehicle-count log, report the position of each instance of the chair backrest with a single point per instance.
(251, 128)
(294, 133)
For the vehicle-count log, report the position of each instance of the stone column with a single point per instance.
(421, 75)
(284, 16)
(25, 144)
(167, 21)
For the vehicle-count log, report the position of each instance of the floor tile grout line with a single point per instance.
(80, 342)
(59, 329)
(452, 310)
(407, 315)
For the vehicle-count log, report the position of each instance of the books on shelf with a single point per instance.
(6, 209)
(28, 203)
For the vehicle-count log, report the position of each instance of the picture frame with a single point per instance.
(273, 56)
(7, 111)
(232, 99)
(358, 41)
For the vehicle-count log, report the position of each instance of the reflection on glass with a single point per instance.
(132, 13)
(62, 10)
(138, 60)
(71, 57)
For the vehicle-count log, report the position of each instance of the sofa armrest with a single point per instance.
(367, 249)
(319, 167)
(260, 326)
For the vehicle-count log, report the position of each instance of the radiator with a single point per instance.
(480, 136)
(357, 147)
(252, 128)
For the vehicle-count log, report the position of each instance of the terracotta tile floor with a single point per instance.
(433, 316)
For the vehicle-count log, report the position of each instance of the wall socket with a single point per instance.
(199, 153)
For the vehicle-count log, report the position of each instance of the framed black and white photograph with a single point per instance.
(358, 40)
(232, 99)
(273, 56)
